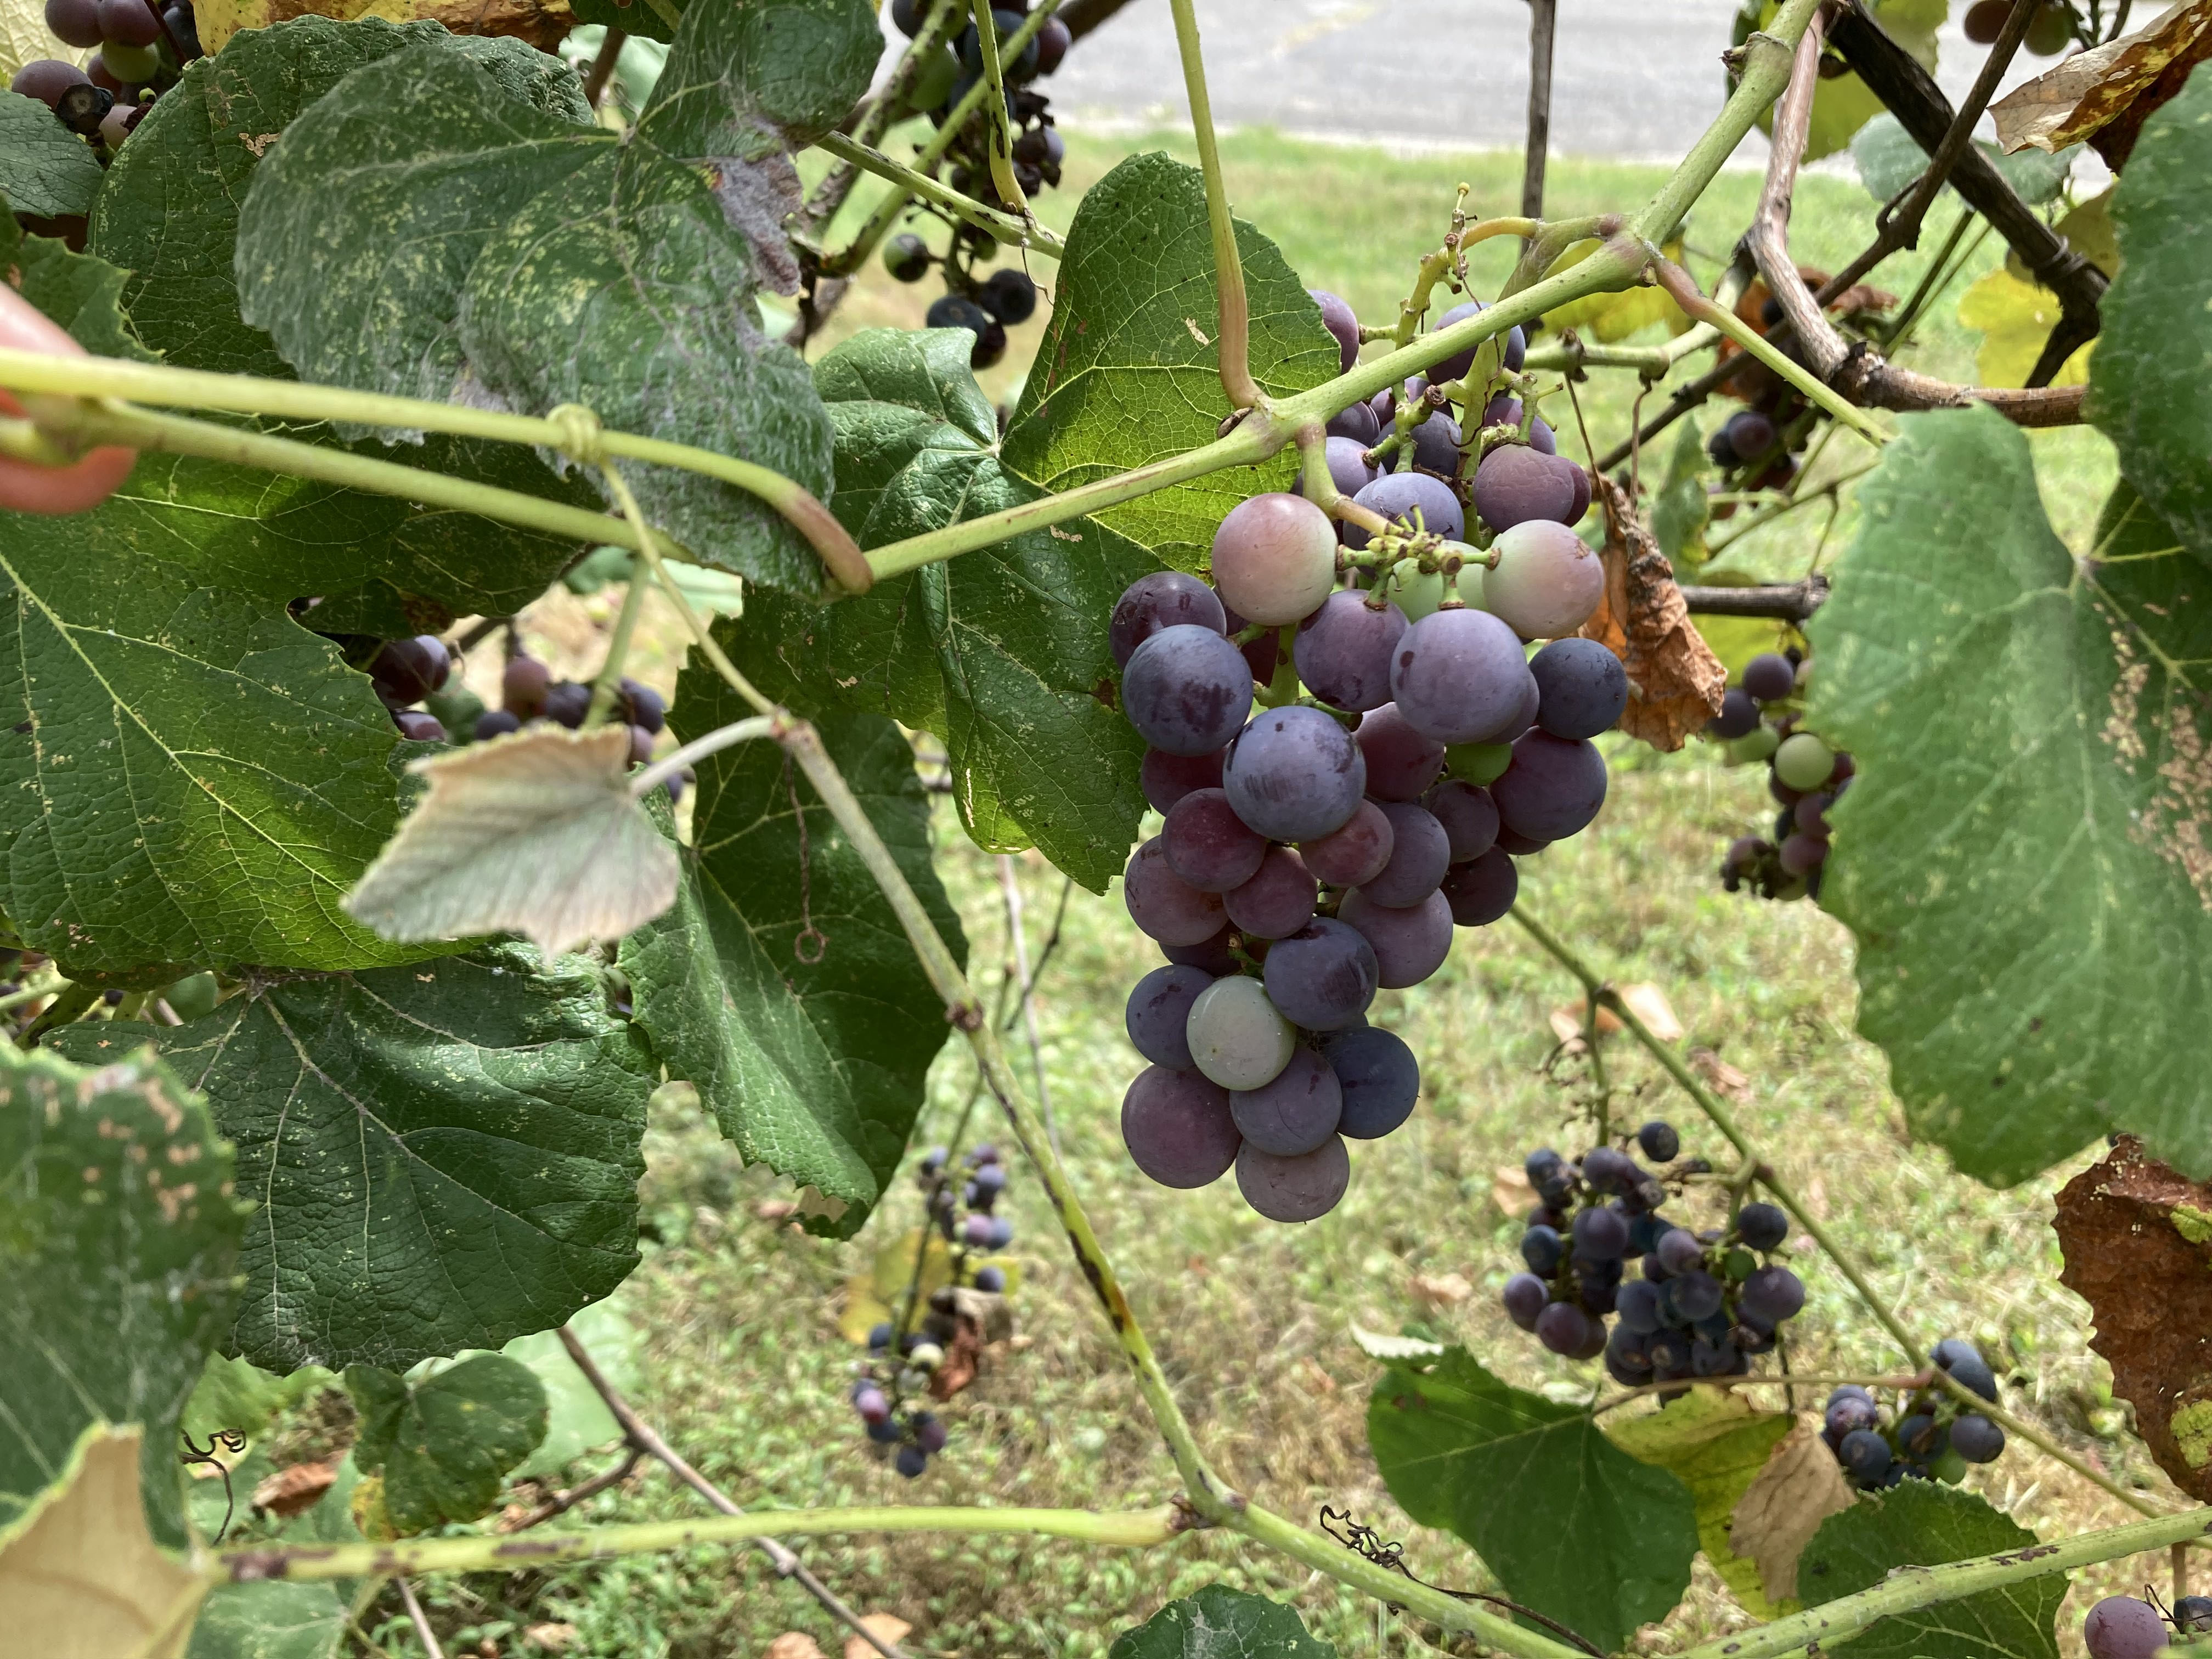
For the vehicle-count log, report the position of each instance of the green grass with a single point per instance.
(744, 1368)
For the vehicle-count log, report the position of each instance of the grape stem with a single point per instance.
(1005, 227)
(1234, 342)
(1683, 291)
(1002, 135)
(1775, 1380)
(611, 671)
(726, 737)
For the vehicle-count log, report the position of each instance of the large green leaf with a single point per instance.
(743, 82)
(2146, 384)
(1572, 1526)
(1002, 652)
(445, 1443)
(1715, 1445)
(446, 1155)
(814, 1068)
(1924, 1524)
(1219, 1623)
(1128, 372)
(47, 169)
(277, 1619)
(2023, 853)
(118, 1244)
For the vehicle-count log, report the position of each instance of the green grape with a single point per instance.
(1478, 764)
(1804, 762)
(1757, 744)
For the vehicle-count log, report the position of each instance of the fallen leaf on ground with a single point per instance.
(1443, 1291)
(1676, 683)
(797, 1645)
(888, 1625)
(554, 1638)
(295, 1490)
(1719, 1076)
(2116, 85)
(1802, 1486)
(776, 1209)
(1510, 1191)
(1645, 1000)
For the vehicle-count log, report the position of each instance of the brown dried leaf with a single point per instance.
(1720, 1076)
(798, 1645)
(979, 1318)
(2092, 90)
(1674, 681)
(554, 1638)
(888, 1625)
(1801, 1487)
(1649, 1004)
(2138, 1242)
(295, 1490)
(1510, 1191)
(1441, 1290)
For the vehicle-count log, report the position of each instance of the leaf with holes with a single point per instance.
(1128, 372)
(1572, 1526)
(781, 984)
(1220, 1623)
(444, 1442)
(999, 652)
(117, 1264)
(2021, 854)
(446, 1155)
(47, 170)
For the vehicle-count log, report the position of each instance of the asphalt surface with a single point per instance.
(1630, 78)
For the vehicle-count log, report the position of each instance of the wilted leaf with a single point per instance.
(45, 168)
(1715, 1445)
(2138, 1242)
(444, 1444)
(1675, 682)
(80, 1576)
(535, 833)
(1801, 1486)
(2090, 90)
(888, 1625)
(544, 23)
(2015, 319)
(295, 1488)
(1219, 1623)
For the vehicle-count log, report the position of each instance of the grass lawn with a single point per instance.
(742, 1367)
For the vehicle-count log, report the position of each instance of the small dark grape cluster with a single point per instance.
(142, 47)
(529, 693)
(1759, 721)
(1706, 1303)
(2052, 29)
(884, 1393)
(1928, 1437)
(986, 306)
(2126, 1627)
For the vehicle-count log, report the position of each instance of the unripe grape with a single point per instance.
(130, 64)
(1547, 581)
(1236, 1036)
(1757, 744)
(1804, 762)
(1274, 558)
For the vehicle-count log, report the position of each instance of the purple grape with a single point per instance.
(1420, 853)
(1964, 1361)
(495, 723)
(1553, 788)
(1739, 715)
(46, 79)
(1295, 1112)
(1405, 496)
(1600, 1235)
(1274, 558)
(1504, 410)
(1762, 1227)
(1436, 444)
(1771, 1295)
(1302, 1189)
(1336, 317)
(1694, 1294)
(128, 23)
(1343, 651)
(1565, 1329)
(1525, 1298)
(1348, 467)
(1518, 723)
(1458, 676)
(1165, 906)
(1348, 856)
(1456, 367)
(1217, 955)
(1166, 779)
(1410, 944)
(417, 726)
(1801, 854)
(1323, 976)
(929, 1432)
(1357, 423)
(1380, 1077)
(1294, 774)
(1166, 598)
(1846, 1413)
(1177, 1127)
(1978, 1440)
(1278, 899)
(1468, 815)
(1547, 579)
(1581, 688)
(1770, 677)
(1581, 482)
(408, 670)
(1517, 484)
(1867, 1456)
(872, 1405)
(1810, 815)
(1678, 1251)
(1511, 840)
(1160, 1009)
(1401, 762)
(2122, 1627)
(1638, 1304)
(1206, 843)
(1743, 438)
(74, 22)
(1482, 890)
(1186, 690)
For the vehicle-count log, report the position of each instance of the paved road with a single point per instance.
(1632, 78)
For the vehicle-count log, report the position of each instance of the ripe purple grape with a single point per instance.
(1565, 1329)
(74, 22)
(2122, 1627)
(1695, 1294)
(1166, 779)
(1292, 1113)
(1542, 1248)
(1553, 788)
(1639, 1306)
(1302, 1189)
(1516, 484)
(1401, 762)
(1274, 558)
(1159, 1012)
(1978, 1440)
(1525, 1298)
(128, 22)
(1277, 901)
(1458, 676)
(1482, 890)
(1581, 688)
(1770, 677)
(1337, 318)
(1547, 581)
(1678, 1251)
(1217, 956)
(1380, 1077)
(1771, 1295)
(1849, 1412)
(1323, 976)
(1514, 350)
(46, 79)
(1177, 1127)
(1294, 774)
(417, 726)
(1964, 1361)
(495, 723)
(1410, 944)
(1407, 497)
(1762, 1227)
(1166, 907)
(1186, 690)
(408, 670)
(1504, 410)
(1600, 1235)
(1743, 438)
(1166, 598)
(1436, 444)
(1468, 815)
(1420, 853)
(1343, 651)
(1357, 423)
(1801, 854)
(1208, 845)
(1347, 856)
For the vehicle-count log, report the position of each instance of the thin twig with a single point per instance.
(1790, 602)
(1010, 884)
(1543, 15)
(420, 1619)
(562, 1501)
(1769, 235)
(603, 66)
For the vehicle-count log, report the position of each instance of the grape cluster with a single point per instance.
(883, 1392)
(1759, 721)
(2123, 1628)
(986, 306)
(143, 46)
(1704, 1304)
(1928, 1437)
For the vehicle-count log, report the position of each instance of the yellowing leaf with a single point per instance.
(1716, 1444)
(876, 1296)
(24, 36)
(535, 833)
(1610, 316)
(2015, 317)
(2089, 90)
(543, 23)
(80, 1576)
(1843, 105)
(2089, 231)
(1801, 1487)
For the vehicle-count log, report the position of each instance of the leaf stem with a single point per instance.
(726, 737)
(1234, 342)
(1001, 147)
(1005, 227)
(604, 688)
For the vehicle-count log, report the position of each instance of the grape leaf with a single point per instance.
(446, 1155)
(747, 81)
(1715, 1445)
(1128, 373)
(116, 1265)
(1002, 652)
(1571, 1525)
(2022, 855)
(814, 1068)
(1843, 104)
(80, 291)
(1924, 1524)
(24, 35)
(2145, 390)
(1219, 1623)
(47, 170)
(276, 1619)
(576, 1418)
(444, 1443)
